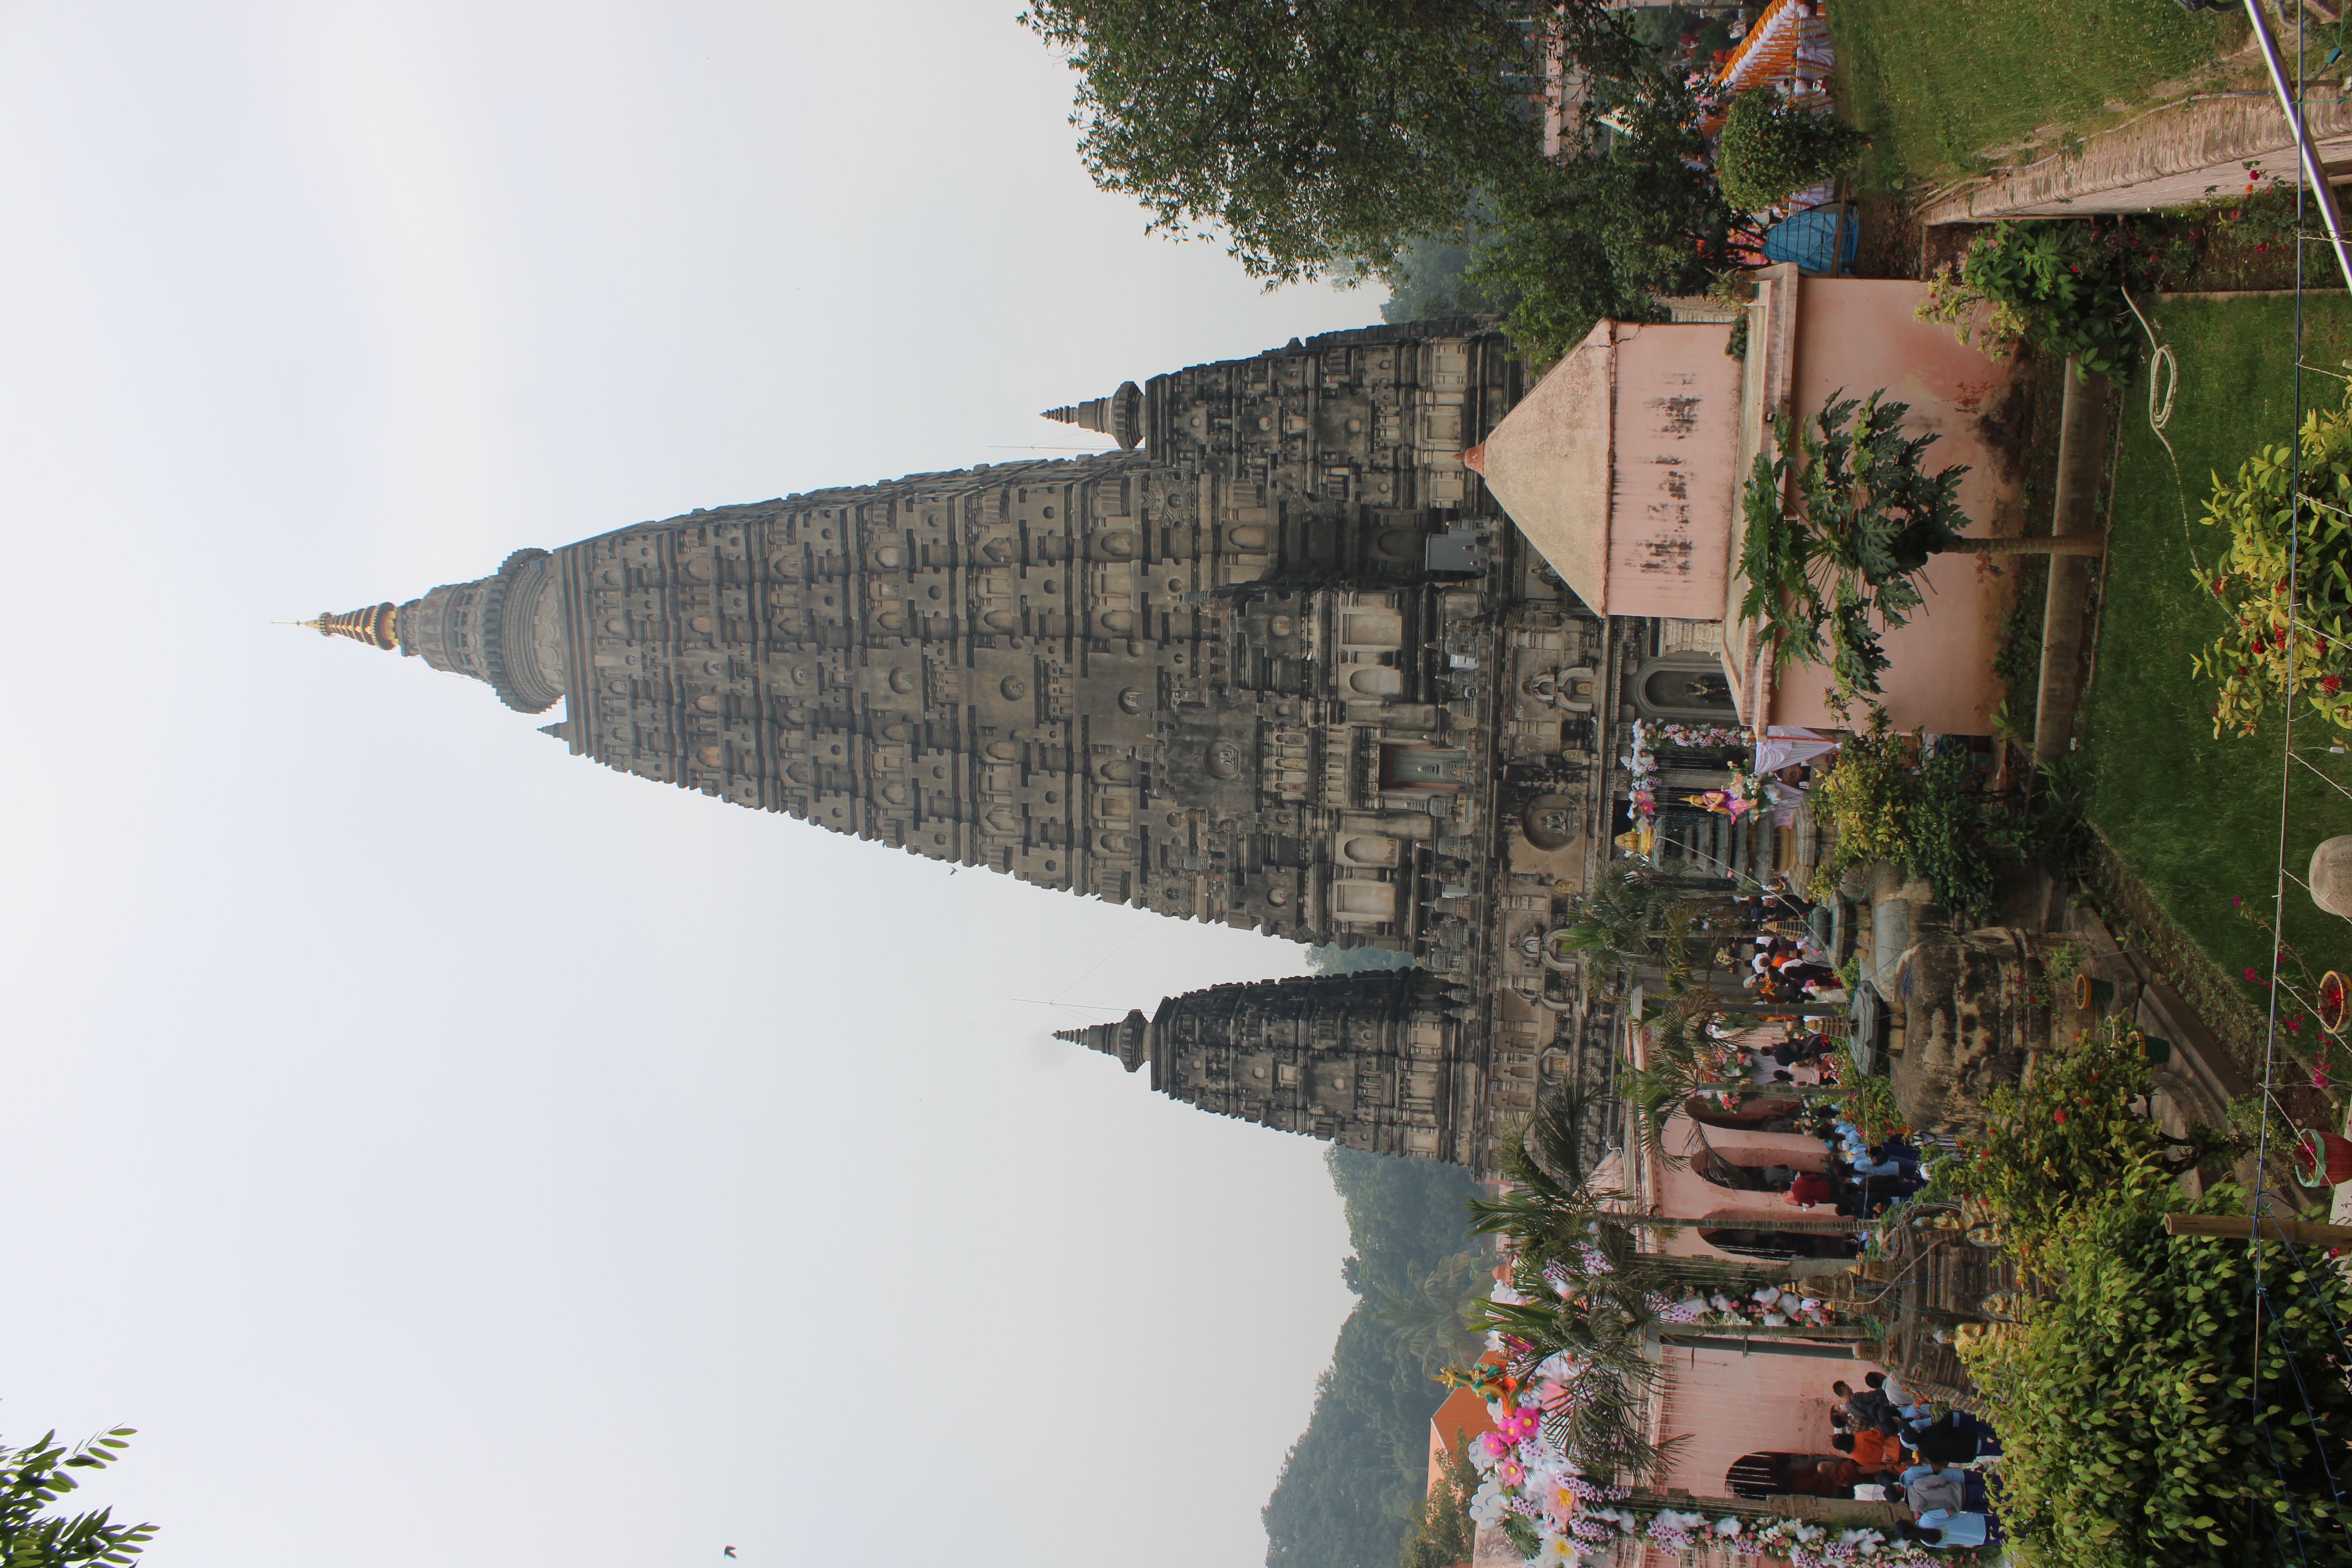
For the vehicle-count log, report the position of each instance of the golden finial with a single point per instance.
(378, 625)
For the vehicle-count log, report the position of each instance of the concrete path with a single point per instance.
(2171, 156)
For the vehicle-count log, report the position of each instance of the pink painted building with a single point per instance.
(1623, 467)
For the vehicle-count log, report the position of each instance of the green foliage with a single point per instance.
(1837, 568)
(1886, 805)
(2195, 818)
(2284, 587)
(1769, 151)
(1443, 1529)
(33, 1477)
(1601, 233)
(2164, 1409)
(1868, 797)
(1425, 278)
(1937, 86)
(1870, 1104)
(2057, 283)
(1315, 139)
(1351, 140)
(2071, 1136)
(1348, 1487)
(2017, 661)
(1948, 839)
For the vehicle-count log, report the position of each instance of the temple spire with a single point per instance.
(1118, 416)
(378, 625)
(1128, 1040)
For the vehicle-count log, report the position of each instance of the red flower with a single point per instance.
(2319, 1080)
(2234, 903)
(2295, 1026)
(2058, 1115)
(2261, 245)
(2233, 213)
(2252, 975)
(2073, 267)
(2331, 684)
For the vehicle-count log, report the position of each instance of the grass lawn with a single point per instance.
(1938, 84)
(2195, 818)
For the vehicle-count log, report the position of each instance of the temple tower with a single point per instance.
(1271, 664)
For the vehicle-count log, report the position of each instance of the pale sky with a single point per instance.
(443, 1149)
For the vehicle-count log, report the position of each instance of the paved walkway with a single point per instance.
(2169, 157)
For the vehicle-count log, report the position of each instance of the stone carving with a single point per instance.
(1214, 674)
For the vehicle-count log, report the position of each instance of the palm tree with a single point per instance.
(1430, 1315)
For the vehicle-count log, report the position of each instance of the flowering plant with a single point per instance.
(2283, 585)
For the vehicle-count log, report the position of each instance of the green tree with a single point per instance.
(1316, 135)
(1425, 1314)
(1833, 569)
(32, 1480)
(2178, 1402)
(1628, 214)
(1425, 276)
(1350, 1486)
(1442, 1530)
(1769, 151)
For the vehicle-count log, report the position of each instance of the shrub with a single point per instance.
(2160, 1408)
(2057, 283)
(2250, 660)
(1769, 151)
(2069, 1137)
(1947, 837)
(1867, 799)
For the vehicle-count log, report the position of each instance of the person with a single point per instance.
(1914, 1412)
(1836, 1476)
(1807, 1188)
(1803, 1048)
(1947, 1441)
(1871, 1451)
(1926, 1487)
(1946, 1527)
(1870, 1408)
(1795, 971)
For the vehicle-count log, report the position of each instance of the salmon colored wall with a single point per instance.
(1673, 443)
(1730, 1403)
(1857, 335)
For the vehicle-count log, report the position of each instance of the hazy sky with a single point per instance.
(443, 1149)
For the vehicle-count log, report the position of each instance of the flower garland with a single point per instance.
(1555, 1514)
(1644, 764)
(1766, 1307)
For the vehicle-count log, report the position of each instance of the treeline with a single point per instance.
(1347, 1491)
(1401, 142)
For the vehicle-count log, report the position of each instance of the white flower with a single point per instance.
(1767, 1294)
(1673, 1519)
(1775, 1321)
(1727, 1526)
(1560, 1551)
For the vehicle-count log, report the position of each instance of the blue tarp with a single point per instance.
(1805, 239)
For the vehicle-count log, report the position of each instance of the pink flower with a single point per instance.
(2319, 1078)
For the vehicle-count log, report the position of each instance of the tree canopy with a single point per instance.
(1317, 135)
(32, 1480)
(1404, 139)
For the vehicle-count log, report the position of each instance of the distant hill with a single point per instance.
(1347, 1486)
